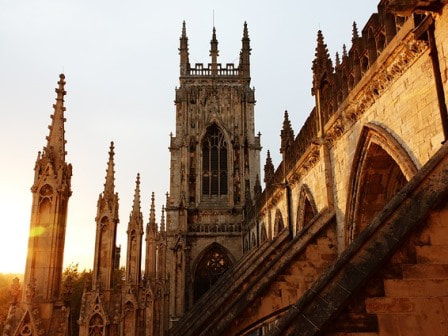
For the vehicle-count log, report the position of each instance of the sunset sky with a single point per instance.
(121, 64)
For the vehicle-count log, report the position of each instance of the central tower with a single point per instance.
(214, 168)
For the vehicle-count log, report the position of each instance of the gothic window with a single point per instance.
(212, 265)
(96, 326)
(214, 163)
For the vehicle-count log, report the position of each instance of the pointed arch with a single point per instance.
(26, 326)
(214, 162)
(306, 208)
(263, 235)
(381, 167)
(213, 262)
(96, 325)
(253, 240)
(279, 224)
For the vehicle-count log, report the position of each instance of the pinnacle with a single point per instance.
(152, 214)
(245, 32)
(355, 34)
(109, 186)
(268, 168)
(287, 133)
(162, 220)
(55, 148)
(136, 206)
(322, 63)
(338, 61)
(184, 30)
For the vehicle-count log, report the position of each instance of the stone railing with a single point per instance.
(200, 70)
(215, 228)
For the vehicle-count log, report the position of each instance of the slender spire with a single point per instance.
(55, 149)
(136, 209)
(338, 61)
(245, 53)
(162, 220)
(183, 52)
(322, 64)
(109, 186)
(214, 52)
(355, 34)
(268, 169)
(152, 215)
(287, 134)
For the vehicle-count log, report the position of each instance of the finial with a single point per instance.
(287, 134)
(184, 30)
(214, 53)
(55, 148)
(355, 34)
(268, 169)
(183, 52)
(244, 66)
(109, 186)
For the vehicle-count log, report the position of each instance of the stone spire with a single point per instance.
(355, 34)
(322, 64)
(337, 59)
(245, 53)
(106, 230)
(152, 215)
(287, 134)
(135, 232)
(151, 244)
(55, 149)
(183, 52)
(136, 209)
(214, 52)
(109, 186)
(268, 169)
(162, 220)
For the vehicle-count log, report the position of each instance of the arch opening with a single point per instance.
(214, 262)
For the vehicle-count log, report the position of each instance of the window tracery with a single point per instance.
(214, 163)
(212, 265)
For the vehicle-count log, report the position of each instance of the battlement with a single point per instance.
(199, 70)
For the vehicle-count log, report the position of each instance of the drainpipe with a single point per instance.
(438, 79)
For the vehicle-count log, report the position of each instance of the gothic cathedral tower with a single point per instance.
(214, 169)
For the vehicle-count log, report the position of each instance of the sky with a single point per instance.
(121, 63)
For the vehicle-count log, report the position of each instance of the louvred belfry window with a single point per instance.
(214, 163)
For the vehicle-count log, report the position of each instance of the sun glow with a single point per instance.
(14, 236)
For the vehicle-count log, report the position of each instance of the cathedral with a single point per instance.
(349, 235)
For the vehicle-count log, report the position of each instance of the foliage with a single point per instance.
(5, 298)
(78, 280)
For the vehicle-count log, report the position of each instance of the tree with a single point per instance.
(74, 284)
